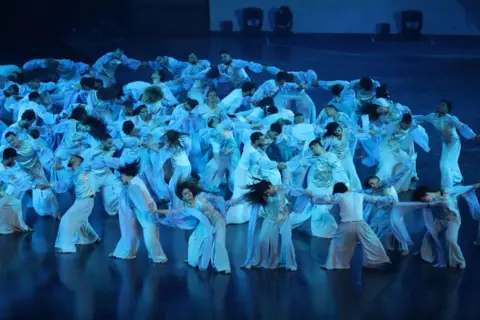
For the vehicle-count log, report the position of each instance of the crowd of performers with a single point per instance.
(67, 127)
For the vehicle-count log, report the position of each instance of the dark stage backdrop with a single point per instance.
(36, 19)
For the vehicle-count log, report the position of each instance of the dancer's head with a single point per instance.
(406, 122)
(316, 147)
(444, 107)
(152, 94)
(374, 111)
(87, 83)
(174, 138)
(298, 118)
(213, 72)
(333, 130)
(192, 58)
(257, 139)
(275, 131)
(372, 182)
(11, 91)
(212, 95)
(75, 162)
(248, 89)
(331, 111)
(27, 119)
(34, 96)
(107, 142)
(9, 157)
(128, 128)
(190, 104)
(79, 113)
(366, 84)
(337, 90)
(13, 140)
(187, 190)
(259, 191)
(129, 171)
(142, 112)
(225, 57)
(282, 77)
(340, 187)
(118, 53)
(422, 194)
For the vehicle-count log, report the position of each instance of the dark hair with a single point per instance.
(173, 138)
(10, 133)
(448, 103)
(248, 86)
(29, 115)
(128, 127)
(256, 192)
(297, 114)
(315, 142)
(255, 136)
(213, 72)
(371, 110)
(15, 87)
(366, 184)
(211, 90)
(224, 52)
(78, 156)
(187, 184)
(282, 76)
(337, 89)
(191, 102)
(340, 187)
(34, 133)
(138, 109)
(276, 127)
(9, 153)
(271, 110)
(87, 82)
(97, 127)
(33, 95)
(331, 127)
(382, 92)
(130, 169)
(419, 193)
(78, 113)
(366, 84)
(407, 118)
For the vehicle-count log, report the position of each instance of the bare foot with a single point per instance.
(248, 267)
(228, 271)
(404, 253)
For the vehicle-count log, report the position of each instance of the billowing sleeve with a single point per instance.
(464, 130)
(131, 63)
(379, 201)
(264, 163)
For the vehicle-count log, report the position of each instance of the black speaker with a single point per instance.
(252, 20)
(412, 23)
(283, 20)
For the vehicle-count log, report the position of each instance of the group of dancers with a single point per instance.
(171, 152)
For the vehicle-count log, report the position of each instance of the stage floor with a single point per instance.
(37, 282)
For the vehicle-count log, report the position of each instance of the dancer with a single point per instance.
(206, 245)
(136, 204)
(270, 203)
(352, 229)
(448, 125)
(74, 226)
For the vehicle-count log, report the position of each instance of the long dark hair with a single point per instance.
(173, 138)
(256, 192)
(130, 169)
(187, 184)
(382, 92)
(331, 127)
(98, 129)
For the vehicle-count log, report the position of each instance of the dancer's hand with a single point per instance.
(476, 186)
